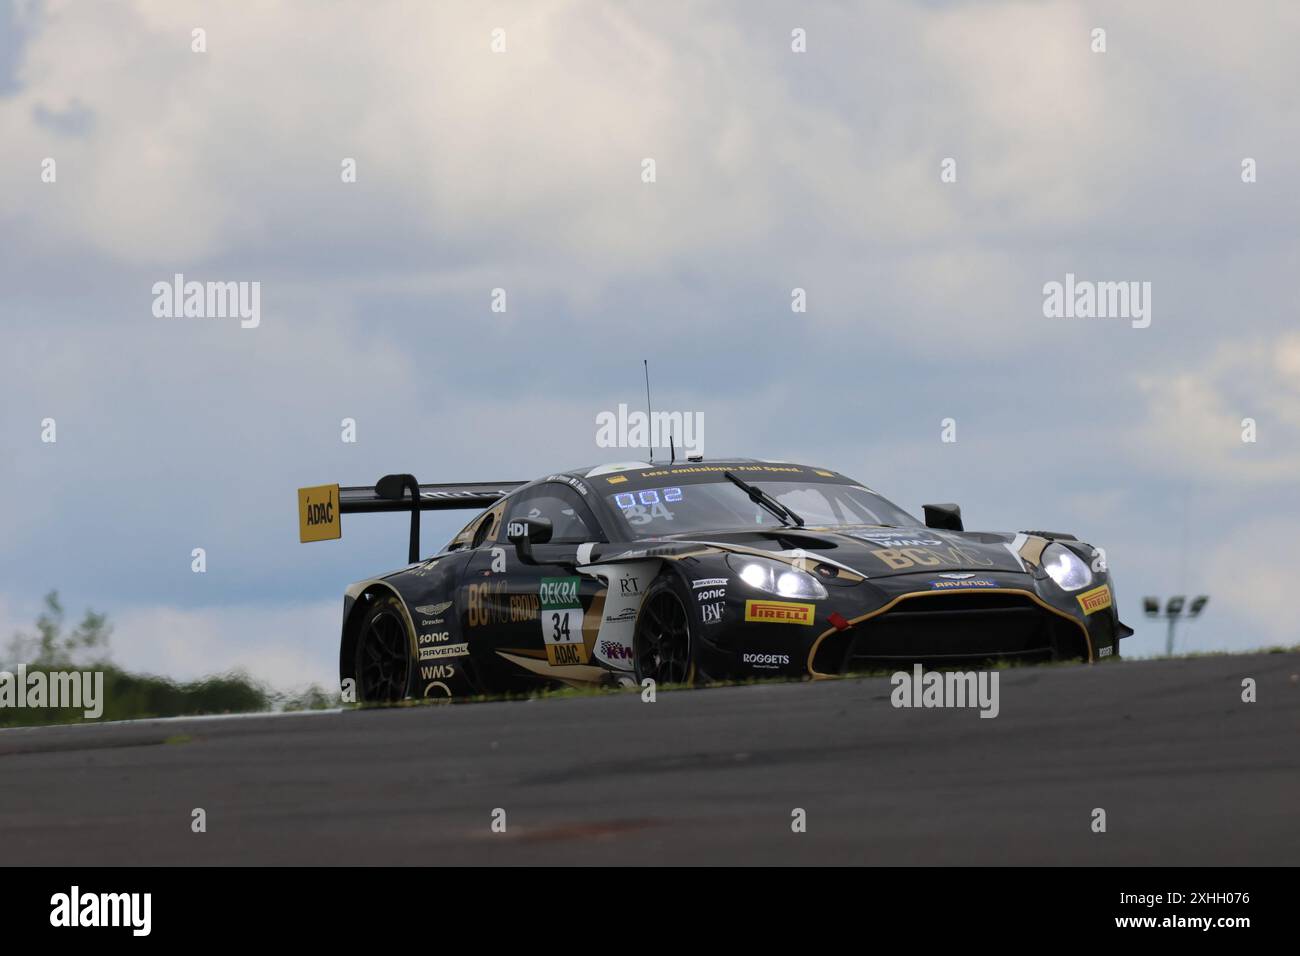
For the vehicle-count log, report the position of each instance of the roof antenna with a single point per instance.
(649, 417)
(672, 452)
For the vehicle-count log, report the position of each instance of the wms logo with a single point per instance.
(134, 910)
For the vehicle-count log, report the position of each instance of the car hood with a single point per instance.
(875, 551)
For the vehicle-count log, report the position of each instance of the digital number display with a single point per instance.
(648, 498)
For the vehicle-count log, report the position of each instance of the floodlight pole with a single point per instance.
(1173, 611)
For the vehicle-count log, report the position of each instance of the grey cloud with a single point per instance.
(776, 171)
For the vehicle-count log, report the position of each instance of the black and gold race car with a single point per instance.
(697, 571)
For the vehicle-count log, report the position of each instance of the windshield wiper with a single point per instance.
(761, 497)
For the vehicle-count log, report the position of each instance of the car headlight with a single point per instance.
(775, 577)
(1067, 569)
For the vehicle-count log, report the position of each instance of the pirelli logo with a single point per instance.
(780, 612)
(1098, 599)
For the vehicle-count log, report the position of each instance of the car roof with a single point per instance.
(697, 469)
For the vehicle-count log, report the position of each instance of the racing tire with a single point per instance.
(664, 639)
(383, 654)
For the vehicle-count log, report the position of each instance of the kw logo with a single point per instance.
(779, 612)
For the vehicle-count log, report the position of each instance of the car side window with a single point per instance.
(479, 530)
(571, 520)
(483, 530)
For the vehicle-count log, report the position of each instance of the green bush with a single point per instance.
(128, 696)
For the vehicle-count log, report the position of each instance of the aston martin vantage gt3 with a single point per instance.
(699, 571)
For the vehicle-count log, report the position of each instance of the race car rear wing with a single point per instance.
(321, 507)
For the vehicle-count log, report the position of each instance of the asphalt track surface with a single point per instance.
(1187, 773)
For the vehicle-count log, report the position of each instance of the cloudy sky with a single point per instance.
(522, 170)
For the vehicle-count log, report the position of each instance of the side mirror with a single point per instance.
(946, 517)
(523, 533)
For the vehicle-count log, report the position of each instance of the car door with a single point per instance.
(541, 618)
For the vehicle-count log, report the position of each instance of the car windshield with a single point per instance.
(721, 505)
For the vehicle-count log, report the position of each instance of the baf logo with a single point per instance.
(75, 908)
(208, 300)
(624, 429)
(1083, 299)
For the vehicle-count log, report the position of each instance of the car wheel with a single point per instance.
(383, 665)
(663, 644)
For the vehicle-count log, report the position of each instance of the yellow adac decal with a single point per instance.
(780, 612)
(1098, 599)
(617, 479)
(561, 654)
(318, 513)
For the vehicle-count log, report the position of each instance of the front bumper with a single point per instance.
(902, 620)
(945, 628)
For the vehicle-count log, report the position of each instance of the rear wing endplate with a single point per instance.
(321, 507)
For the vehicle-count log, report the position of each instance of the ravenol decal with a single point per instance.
(971, 583)
(447, 650)
(780, 612)
(318, 513)
(1098, 599)
(561, 614)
